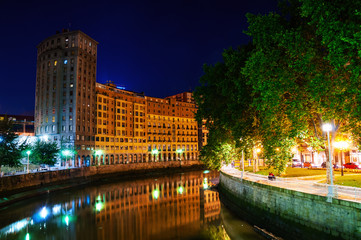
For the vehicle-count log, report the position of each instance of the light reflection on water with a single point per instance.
(181, 206)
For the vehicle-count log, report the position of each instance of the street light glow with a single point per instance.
(98, 152)
(28, 152)
(327, 127)
(66, 152)
(342, 145)
(155, 193)
(155, 151)
(179, 150)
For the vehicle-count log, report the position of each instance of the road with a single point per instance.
(306, 186)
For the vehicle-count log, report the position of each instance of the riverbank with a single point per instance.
(289, 213)
(17, 188)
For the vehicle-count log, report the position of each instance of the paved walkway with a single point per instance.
(306, 186)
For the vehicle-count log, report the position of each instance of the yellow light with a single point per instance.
(277, 149)
(341, 145)
(258, 150)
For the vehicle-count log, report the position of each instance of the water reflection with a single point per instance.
(169, 207)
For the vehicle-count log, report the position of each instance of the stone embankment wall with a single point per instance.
(17, 182)
(340, 219)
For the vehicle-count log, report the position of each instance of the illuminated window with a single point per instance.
(55, 62)
(53, 119)
(65, 61)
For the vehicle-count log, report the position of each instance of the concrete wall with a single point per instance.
(18, 182)
(341, 219)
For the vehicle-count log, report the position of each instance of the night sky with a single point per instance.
(155, 47)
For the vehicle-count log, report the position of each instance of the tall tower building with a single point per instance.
(65, 90)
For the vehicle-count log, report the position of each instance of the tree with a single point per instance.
(221, 148)
(11, 148)
(224, 102)
(301, 70)
(44, 152)
(304, 72)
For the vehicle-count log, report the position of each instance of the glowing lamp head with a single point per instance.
(155, 193)
(155, 151)
(258, 150)
(180, 189)
(66, 152)
(28, 152)
(99, 206)
(327, 127)
(179, 150)
(98, 152)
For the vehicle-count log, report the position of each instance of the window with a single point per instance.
(53, 119)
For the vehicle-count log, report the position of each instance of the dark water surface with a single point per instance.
(177, 206)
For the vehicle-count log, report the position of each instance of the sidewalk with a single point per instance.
(296, 184)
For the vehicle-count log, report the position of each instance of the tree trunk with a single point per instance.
(255, 161)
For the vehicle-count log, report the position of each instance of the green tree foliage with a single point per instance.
(221, 148)
(224, 102)
(44, 152)
(11, 148)
(302, 70)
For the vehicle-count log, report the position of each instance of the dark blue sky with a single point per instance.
(155, 47)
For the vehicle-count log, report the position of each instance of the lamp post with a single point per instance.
(155, 153)
(327, 127)
(98, 153)
(28, 152)
(180, 151)
(342, 146)
(66, 154)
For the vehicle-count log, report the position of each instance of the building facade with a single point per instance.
(104, 124)
(132, 127)
(65, 90)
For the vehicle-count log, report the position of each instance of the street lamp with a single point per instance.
(342, 146)
(327, 127)
(155, 152)
(66, 154)
(98, 153)
(180, 151)
(28, 152)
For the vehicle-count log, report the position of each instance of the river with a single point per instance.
(174, 206)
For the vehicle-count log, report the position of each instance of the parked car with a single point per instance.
(296, 163)
(335, 166)
(43, 167)
(309, 165)
(352, 166)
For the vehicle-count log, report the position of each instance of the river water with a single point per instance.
(175, 206)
